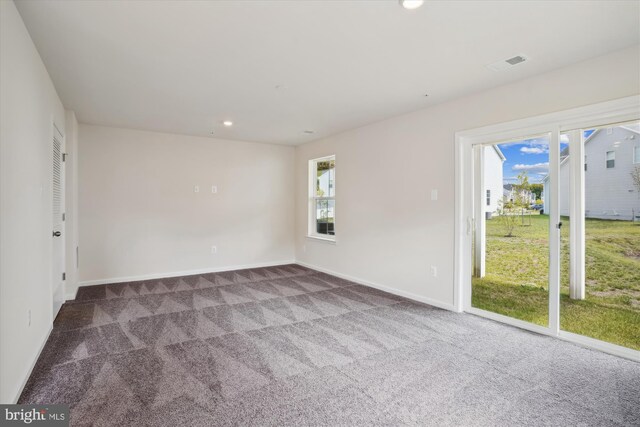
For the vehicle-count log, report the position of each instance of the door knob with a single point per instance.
(57, 234)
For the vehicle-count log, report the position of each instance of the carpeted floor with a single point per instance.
(291, 346)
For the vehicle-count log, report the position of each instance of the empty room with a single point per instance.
(319, 213)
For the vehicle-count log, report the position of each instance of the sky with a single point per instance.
(531, 155)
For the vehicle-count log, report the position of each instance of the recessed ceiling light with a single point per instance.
(227, 123)
(411, 4)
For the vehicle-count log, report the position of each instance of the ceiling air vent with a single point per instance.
(507, 63)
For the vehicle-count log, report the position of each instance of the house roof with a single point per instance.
(495, 147)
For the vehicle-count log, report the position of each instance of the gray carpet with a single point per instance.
(291, 346)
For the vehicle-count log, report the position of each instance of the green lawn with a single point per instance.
(516, 278)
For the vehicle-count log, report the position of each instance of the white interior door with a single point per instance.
(57, 246)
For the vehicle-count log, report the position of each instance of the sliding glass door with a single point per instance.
(511, 229)
(600, 200)
(548, 217)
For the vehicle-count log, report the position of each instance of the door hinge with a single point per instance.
(64, 276)
(64, 157)
(63, 216)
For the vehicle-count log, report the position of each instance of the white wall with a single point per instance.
(29, 106)
(139, 214)
(389, 237)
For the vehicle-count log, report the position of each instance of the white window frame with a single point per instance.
(313, 199)
(553, 124)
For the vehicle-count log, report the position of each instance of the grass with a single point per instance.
(516, 280)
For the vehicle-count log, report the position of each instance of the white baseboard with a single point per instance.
(181, 273)
(408, 295)
(393, 291)
(71, 295)
(32, 364)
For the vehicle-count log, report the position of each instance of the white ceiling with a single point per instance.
(277, 68)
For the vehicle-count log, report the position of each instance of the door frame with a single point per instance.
(58, 286)
(604, 113)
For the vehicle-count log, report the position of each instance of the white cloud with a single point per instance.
(564, 138)
(532, 150)
(538, 167)
(538, 142)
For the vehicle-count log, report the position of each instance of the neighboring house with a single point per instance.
(326, 181)
(610, 156)
(493, 160)
(510, 194)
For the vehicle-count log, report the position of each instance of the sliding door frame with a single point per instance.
(553, 124)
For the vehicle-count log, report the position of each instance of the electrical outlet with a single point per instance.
(214, 250)
(214, 189)
(196, 188)
(434, 195)
(434, 271)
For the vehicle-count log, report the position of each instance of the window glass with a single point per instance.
(323, 190)
(325, 178)
(611, 159)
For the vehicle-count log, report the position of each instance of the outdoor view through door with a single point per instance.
(598, 188)
(600, 270)
(511, 239)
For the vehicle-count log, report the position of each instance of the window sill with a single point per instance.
(322, 239)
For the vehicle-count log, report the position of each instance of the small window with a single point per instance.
(611, 159)
(636, 154)
(488, 197)
(322, 197)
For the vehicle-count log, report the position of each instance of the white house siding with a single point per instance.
(326, 182)
(609, 193)
(493, 160)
